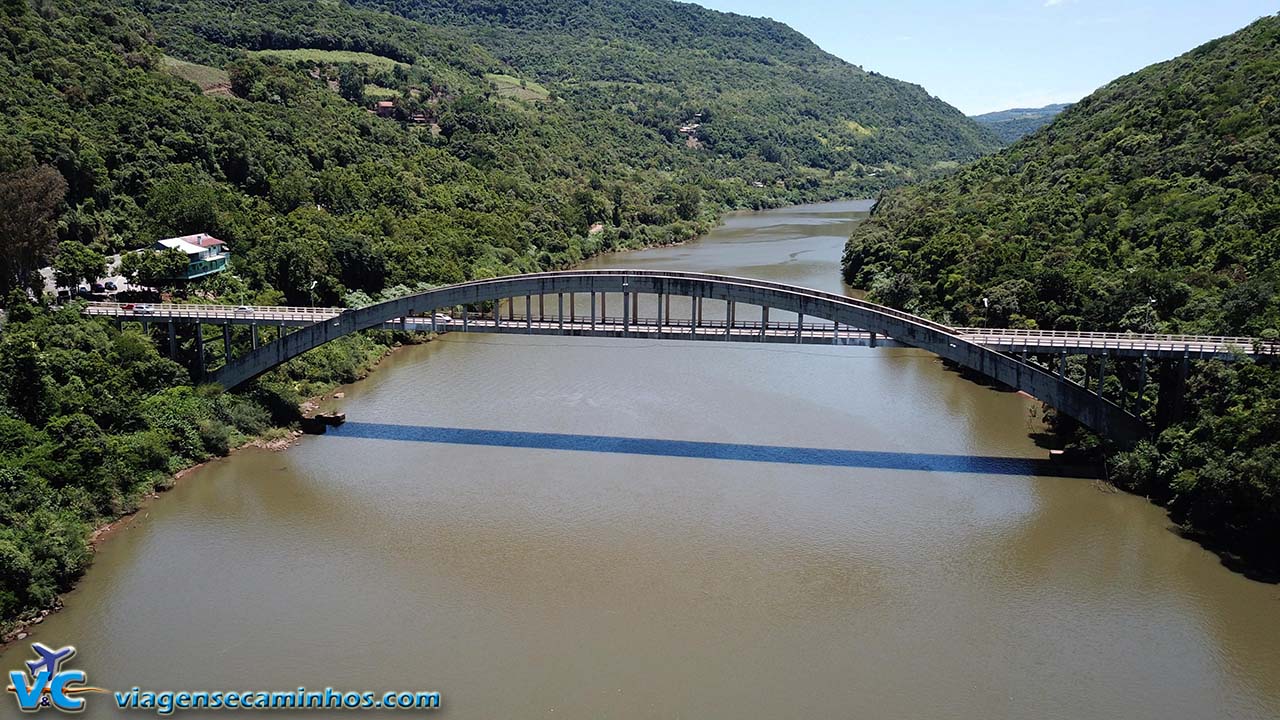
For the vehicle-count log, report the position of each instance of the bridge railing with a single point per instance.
(1126, 340)
(193, 311)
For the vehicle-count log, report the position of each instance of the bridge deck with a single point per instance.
(816, 332)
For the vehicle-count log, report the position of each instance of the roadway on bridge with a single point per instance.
(819, 332)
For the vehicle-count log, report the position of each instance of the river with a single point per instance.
(524, 582)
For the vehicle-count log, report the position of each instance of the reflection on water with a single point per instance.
(523, 580)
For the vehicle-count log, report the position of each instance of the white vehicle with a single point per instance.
(244, 309)
(142, 310)
(442, 318)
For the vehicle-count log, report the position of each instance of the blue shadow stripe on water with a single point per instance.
(927, 462)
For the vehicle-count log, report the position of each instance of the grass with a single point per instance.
(517, 89)
(380, 93)
(203, 75)
(332, 56)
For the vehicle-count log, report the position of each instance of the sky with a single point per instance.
(986, 55)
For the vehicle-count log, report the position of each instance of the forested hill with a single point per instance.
(761, 87)
(1014, 124)
(1151, 205)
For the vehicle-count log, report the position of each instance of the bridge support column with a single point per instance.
(226, 343)
(667, 314)
(466, 319)
(659, 314)
(728, 318)
(1062, 365)
(511, 309)
(635, 307)
(1102, 373)
(542, 315)
(835, 339)
(572, 309)
(173, 341)
(528, 313)
(697, 321)
(434, 311)
(593, 310)
(604, 311)
(199, 351)
(626, 310)
(764, 320)
(872, 340)
(146, 328)
(560, 311)
(1171, 404)
(253, 336)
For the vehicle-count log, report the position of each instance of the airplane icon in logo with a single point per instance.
(50, 660)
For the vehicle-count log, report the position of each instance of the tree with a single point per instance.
(351, 83)
(29, 200)
(78, 262)
(154, 268)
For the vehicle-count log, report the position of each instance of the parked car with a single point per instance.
(98, 288)
(142, 310)
(111, 285)
(443, 318)
(64, 294)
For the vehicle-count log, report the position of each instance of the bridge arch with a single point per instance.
(1066, 396)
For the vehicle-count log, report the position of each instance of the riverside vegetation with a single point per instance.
(1152, 205)
(126, 122)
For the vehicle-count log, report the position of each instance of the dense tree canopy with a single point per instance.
(1152, 205)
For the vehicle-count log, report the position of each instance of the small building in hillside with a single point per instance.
(206, 254)
(385, 108)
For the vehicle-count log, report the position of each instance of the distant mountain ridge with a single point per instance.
(1015, 123)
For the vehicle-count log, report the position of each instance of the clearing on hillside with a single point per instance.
(211, 80)
(332, 56)
(516, 88)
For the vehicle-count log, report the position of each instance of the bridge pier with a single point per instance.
(199, 351)
(560, 312)
(1102, 373)
(799, 325)
(764, 320)
(1171, 404)
(528, 313)
(593, 310)
(253, 335)
(728, 318)
(173, 341)
(659, 313)
(466, 320)
(226, 343)
(626, 311)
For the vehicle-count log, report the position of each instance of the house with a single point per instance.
(206, 254)
(385, 108)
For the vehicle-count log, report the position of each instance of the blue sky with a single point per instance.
(995, 54)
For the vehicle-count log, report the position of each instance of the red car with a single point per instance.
(127, 306)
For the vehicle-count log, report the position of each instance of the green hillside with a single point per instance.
(1152, 205)
(761, 88)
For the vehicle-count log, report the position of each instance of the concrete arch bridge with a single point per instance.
(639, 303)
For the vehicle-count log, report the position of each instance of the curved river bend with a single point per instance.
(535, 582)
